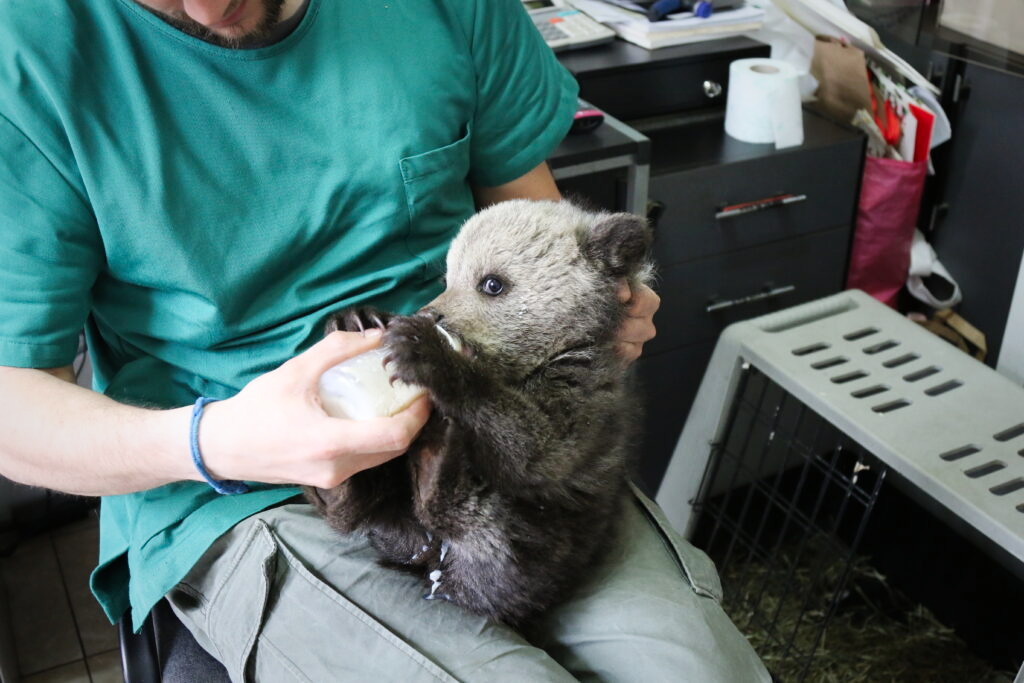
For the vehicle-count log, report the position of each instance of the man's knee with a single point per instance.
(650, 612)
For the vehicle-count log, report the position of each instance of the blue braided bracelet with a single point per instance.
(222, 486)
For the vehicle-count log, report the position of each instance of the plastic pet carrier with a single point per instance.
(803, 418)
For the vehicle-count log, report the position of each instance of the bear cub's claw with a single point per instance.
(420, 355)
(358, 320)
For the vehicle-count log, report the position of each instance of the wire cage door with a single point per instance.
(782, 508)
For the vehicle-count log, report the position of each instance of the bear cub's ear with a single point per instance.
(618, 242)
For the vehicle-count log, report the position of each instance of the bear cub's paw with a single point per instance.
(420, 355)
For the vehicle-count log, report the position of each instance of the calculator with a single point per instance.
(564, 27)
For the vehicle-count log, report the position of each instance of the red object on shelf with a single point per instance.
(887, 120)
(925, 124)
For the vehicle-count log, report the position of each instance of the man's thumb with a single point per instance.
(336, 347)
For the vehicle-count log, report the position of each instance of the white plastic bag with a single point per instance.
(925, 263)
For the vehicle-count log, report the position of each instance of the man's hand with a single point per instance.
(638, 326)
(276, 431)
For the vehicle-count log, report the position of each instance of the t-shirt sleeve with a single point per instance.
(50, 254)
(525, 98)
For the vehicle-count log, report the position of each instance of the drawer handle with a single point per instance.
(760, 296)
(759, 205)
(712, 89)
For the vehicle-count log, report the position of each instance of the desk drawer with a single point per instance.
(668, 383)
(657, 90)
(630, 82)
(822, 184)
(745, 283)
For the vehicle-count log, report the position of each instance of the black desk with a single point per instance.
(612, 146)
(631, 82)
(715, 269)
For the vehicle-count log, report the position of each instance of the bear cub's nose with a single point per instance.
(431, 313)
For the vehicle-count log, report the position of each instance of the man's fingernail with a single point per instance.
(373, 332)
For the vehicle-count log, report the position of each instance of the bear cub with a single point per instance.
(513, 488)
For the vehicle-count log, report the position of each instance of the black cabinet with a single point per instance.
(689, 226)
(979, 234)
(717, 265)
(669, 382)
(700, 298)
(631, 83)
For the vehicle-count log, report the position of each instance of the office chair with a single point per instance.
(164, 651)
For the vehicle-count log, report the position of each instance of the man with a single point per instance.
(197, 183)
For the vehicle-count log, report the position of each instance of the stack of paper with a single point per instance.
(821, 17)
(675, 29)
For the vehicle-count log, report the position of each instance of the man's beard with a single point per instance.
(253, 38)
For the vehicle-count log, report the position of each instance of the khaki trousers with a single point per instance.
(282, 597)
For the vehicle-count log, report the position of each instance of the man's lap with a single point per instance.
(303, 603)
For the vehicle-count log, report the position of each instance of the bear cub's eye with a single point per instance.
(491, 285)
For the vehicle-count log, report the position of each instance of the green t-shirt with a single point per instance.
(199, 210)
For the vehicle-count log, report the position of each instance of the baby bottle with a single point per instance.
(359, 388)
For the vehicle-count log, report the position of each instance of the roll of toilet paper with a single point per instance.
(763, 104)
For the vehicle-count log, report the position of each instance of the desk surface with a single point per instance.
(611, 139)
(619, 55)
(705, 143)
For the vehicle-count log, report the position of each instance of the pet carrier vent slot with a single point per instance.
(884, 346)
(902, 360)
(806, 350)
(1008, 487)
(869, 391)
(922, 373)
(829, 363)
(944, 387)
(1011, 433)
(987, 468)
(849, 377)
(1020, 508)
(860, 334)
(958, 453)
(890, 406)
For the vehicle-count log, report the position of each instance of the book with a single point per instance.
(655, 39)
(676, 29)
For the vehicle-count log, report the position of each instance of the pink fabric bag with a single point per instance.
(890, 197)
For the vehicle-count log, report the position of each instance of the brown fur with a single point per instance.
(513, 487)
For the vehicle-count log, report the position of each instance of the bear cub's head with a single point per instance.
(530, 280)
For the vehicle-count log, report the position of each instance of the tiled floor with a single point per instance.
(60, 633)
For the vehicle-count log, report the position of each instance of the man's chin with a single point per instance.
(253, 31)
(237, 36)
